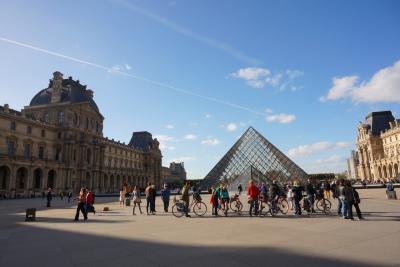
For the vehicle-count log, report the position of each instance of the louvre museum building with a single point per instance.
(57, 142)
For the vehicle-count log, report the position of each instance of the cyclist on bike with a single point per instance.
(224, 198)
(310, 191)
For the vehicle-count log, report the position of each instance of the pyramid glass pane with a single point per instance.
(253, 157)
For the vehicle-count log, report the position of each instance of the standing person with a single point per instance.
(357, 201)
(136, 200)
(185, 198)
(253, 194)
(212, 199)
(240, 189)
(121, 198)
(165, 194)
(342, 197)
(327, 190)
(290, 198)
(148, 198)
(90, 202)
(224, 198)
(216, 197)
(153, 194)
(310, 191)
(297, 196)
(61, 195)
(335, 190)
(81, 205)
(69, 196)
(349, 200)
(49, 197)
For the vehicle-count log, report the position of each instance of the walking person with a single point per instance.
(327, 190)
(121, 198)
(342, 197)
(357, 201)
(165, 194)
(69, 196)
(253, 194)
(147, 193)
(49, 197)
(310, 190)
(136, 200)
(81, 205)
(185, 198)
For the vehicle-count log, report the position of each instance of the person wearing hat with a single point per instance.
(165, 193)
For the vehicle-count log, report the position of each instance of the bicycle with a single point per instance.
(197, 205)
(307, 205)
(235, 203)
(272, 209)
(324, 205)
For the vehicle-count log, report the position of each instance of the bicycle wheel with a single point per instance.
(322, 207)
(199, 208)
(176, 212)
(236, 206)
(283, 206)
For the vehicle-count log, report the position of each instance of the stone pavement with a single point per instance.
(117, 238)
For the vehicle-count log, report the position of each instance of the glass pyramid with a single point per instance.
(253, 157)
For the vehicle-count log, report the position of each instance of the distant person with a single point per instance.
(81, 205)
(290, 197)
(165, 195)
(216, 198)
(137, 200)
(185, 198)
(69, 196)
(342, 206)
(349, 201)
(61, 195)
(310, 191)
(153, 193)
(240, 189)
(121, 197)
(389, 186)
(357, 201)
(212, 189)
(253, 195)
(49, 197)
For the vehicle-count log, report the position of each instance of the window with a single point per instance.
(61, 118)
(13, 126)
(27, 151)
(43, 133)
(41, 152)
(74, 154)
(29, 129)
(11, 148)
(58, 153)
(46, 118)
(87, 124)
(88, 156)
(59, 135)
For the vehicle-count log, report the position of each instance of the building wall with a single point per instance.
(379, 155)
(61, 145)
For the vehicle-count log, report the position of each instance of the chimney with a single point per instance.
(57, 87)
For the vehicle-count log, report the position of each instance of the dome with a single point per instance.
(72, 91)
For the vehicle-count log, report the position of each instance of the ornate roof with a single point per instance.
(72, 91)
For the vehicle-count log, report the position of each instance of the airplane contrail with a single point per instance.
(136, 77)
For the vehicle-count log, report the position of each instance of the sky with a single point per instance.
(197, 74)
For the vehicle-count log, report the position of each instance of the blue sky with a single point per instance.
(197, 74)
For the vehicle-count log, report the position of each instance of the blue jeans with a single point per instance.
(344, 207)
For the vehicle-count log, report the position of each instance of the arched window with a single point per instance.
(88, 156)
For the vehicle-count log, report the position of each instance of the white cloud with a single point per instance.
(281, 118)
(169, 126)
(208, 116)
(231, 127)
(182, 159)
(384, 86)
(210, 141)
(331, 159)
(268, 110)
(117, 69)
(261, 77)
(190, 137)
(306, 150)
(164, 141)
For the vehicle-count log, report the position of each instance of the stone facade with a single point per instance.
(57, 141)
(175, 172)
(352, 162)
(378, 147)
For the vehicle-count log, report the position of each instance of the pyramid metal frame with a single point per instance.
(253, 157)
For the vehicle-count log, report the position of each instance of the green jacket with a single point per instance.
(185, 194)
(217, 193)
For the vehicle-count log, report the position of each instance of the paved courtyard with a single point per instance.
(116, 238)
